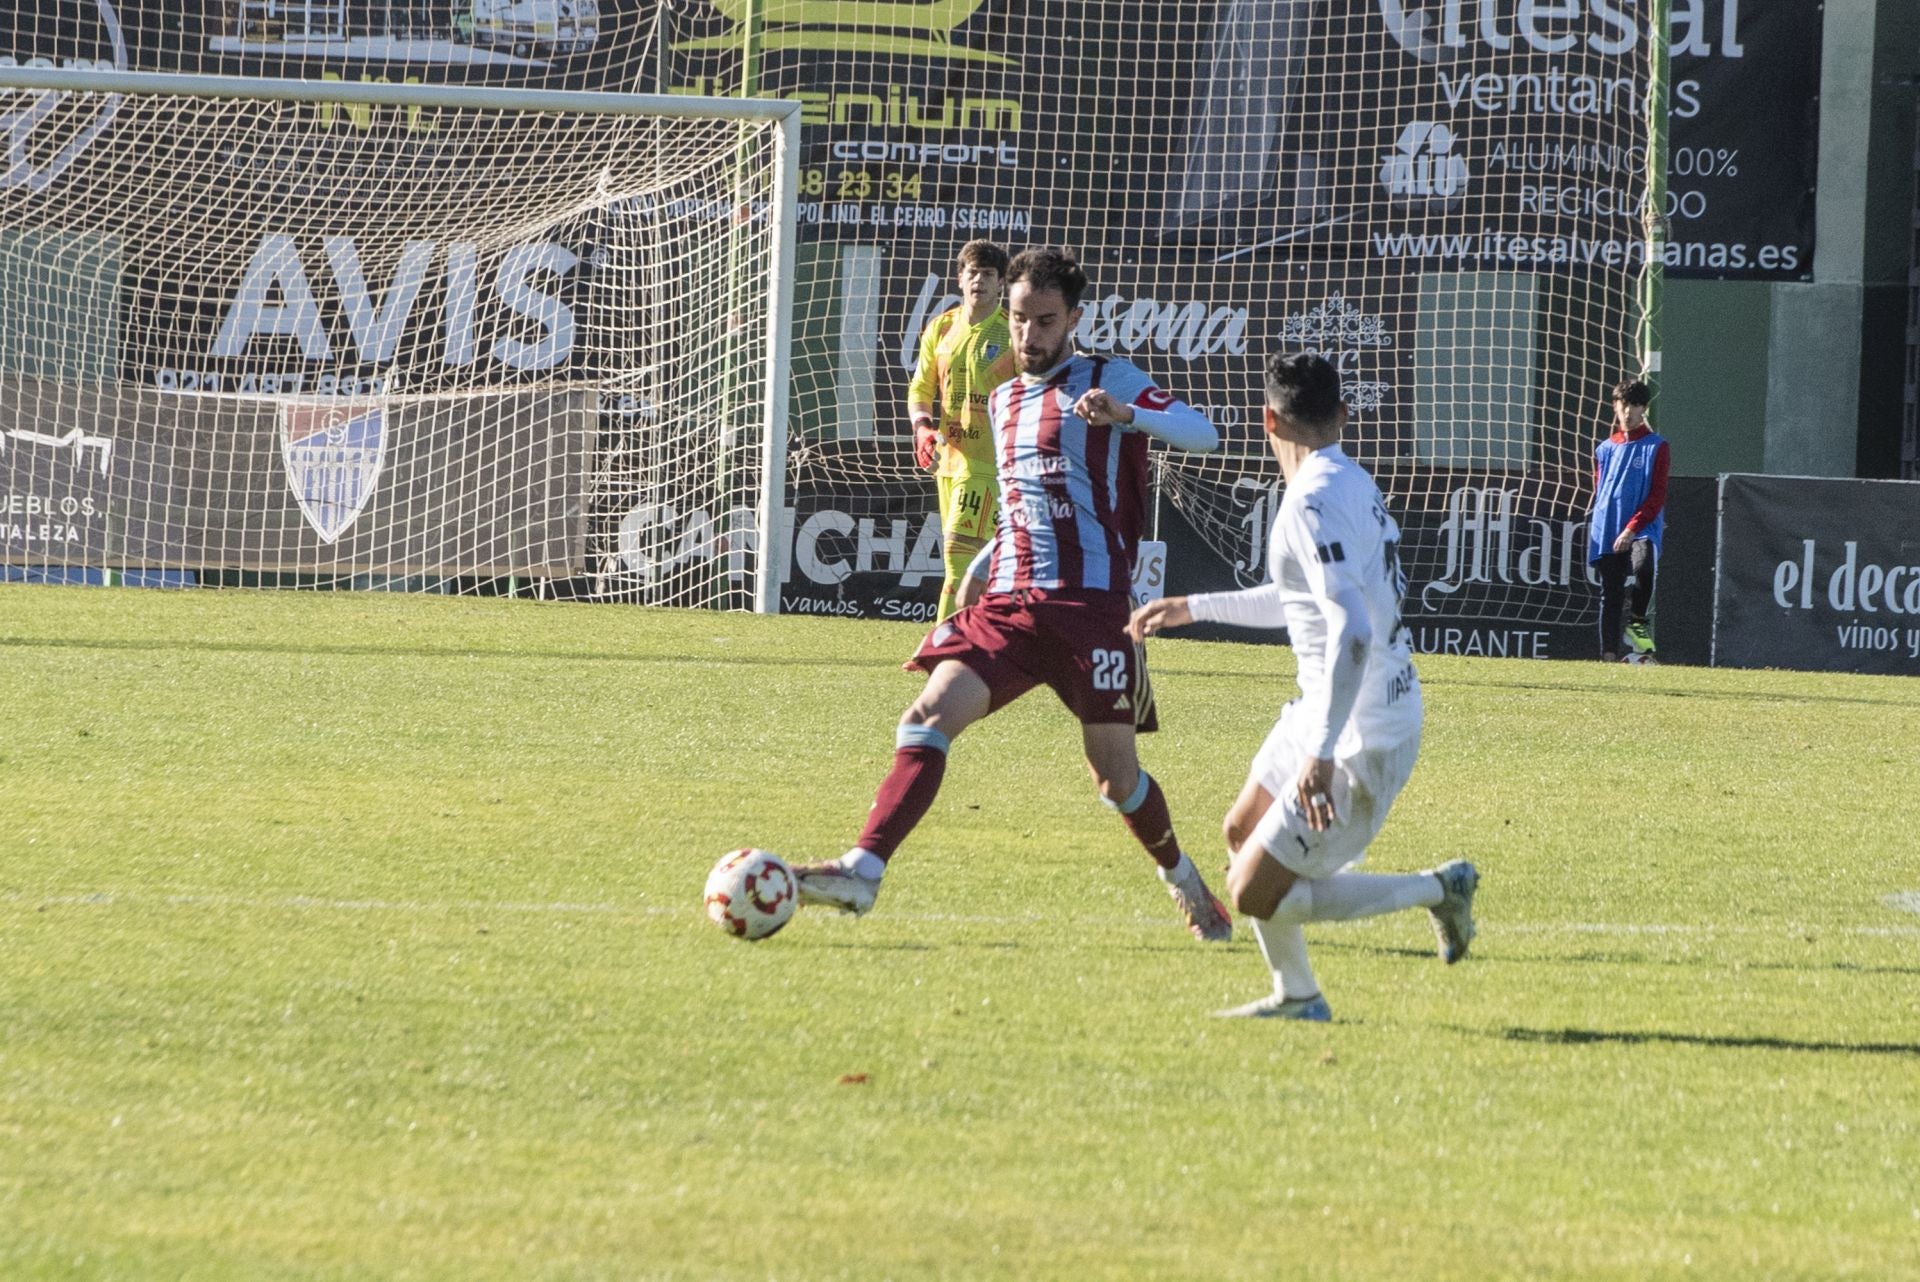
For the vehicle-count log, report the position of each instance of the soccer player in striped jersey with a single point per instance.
(965, 353)
(1322, 783)
(1070, 435)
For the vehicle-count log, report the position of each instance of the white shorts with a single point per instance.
(1364, 788)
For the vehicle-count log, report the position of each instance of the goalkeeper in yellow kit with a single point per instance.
(965, 353)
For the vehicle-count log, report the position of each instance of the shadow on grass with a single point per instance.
(1615, 692)
(1640, 959)
(1593, 958)
(910, 946)
(1598, 1037)
(868, 946)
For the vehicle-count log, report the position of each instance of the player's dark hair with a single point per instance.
(1631, 391)
(1304, 388)
(1050, 267)
(985, 255)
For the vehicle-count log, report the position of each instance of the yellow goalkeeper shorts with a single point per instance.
(968, 506)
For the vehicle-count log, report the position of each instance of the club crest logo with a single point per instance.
(333, 454)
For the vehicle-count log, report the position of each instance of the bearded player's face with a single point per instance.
(1041, 323)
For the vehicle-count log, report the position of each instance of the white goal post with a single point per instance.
(303, 332)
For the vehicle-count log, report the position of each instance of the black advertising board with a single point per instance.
(1683, 597)
(1239, 176)
(1464, 542)
(1743, 151)
(1496, 136)
(577, 44)
(852, 557)
(163, 479)
(1818, 575)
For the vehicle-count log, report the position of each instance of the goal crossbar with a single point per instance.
(78, 80)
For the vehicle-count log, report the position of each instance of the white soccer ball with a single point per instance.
(751, 893)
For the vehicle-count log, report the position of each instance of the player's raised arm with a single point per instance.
(1261, 607)
(1135, 404)
(1167, 418)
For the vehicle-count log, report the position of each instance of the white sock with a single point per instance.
(1284, 945)
(1179, 872)
(1347, 895)
(864, 863)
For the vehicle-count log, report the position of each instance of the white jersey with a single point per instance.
(1333, 533)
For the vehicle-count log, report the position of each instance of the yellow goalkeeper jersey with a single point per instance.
(959, 364)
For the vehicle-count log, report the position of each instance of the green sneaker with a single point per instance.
(1641, 637)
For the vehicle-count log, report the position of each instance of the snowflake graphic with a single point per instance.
(1336, 323)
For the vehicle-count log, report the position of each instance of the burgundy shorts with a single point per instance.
(1075, 642)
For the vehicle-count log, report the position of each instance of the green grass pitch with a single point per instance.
(359, 937)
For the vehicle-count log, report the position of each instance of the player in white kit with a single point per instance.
(1322, 783)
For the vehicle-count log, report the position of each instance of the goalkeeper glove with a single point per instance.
(926, 441)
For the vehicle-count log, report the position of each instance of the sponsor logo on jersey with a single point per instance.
(333, 455)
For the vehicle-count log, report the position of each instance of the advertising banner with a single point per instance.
(583, 44)
(1491, 569)
(945, 120)
(1515, 121)
(1818, 575)
(853, 557)
(1743, 151)
(1440, 197)
(865, 550)
(317, 486)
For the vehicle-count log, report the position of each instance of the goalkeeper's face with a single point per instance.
(1041, 324)
(980, 286)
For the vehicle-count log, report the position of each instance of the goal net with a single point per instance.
(267, 332)
(1444, 197)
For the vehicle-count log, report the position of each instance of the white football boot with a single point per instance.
(1274, 1006)
(1453, 915)
(835, 885)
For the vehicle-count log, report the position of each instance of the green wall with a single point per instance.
(1806, 378)
(1713, 403)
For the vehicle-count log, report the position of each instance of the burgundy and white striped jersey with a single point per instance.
(1073, 497)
